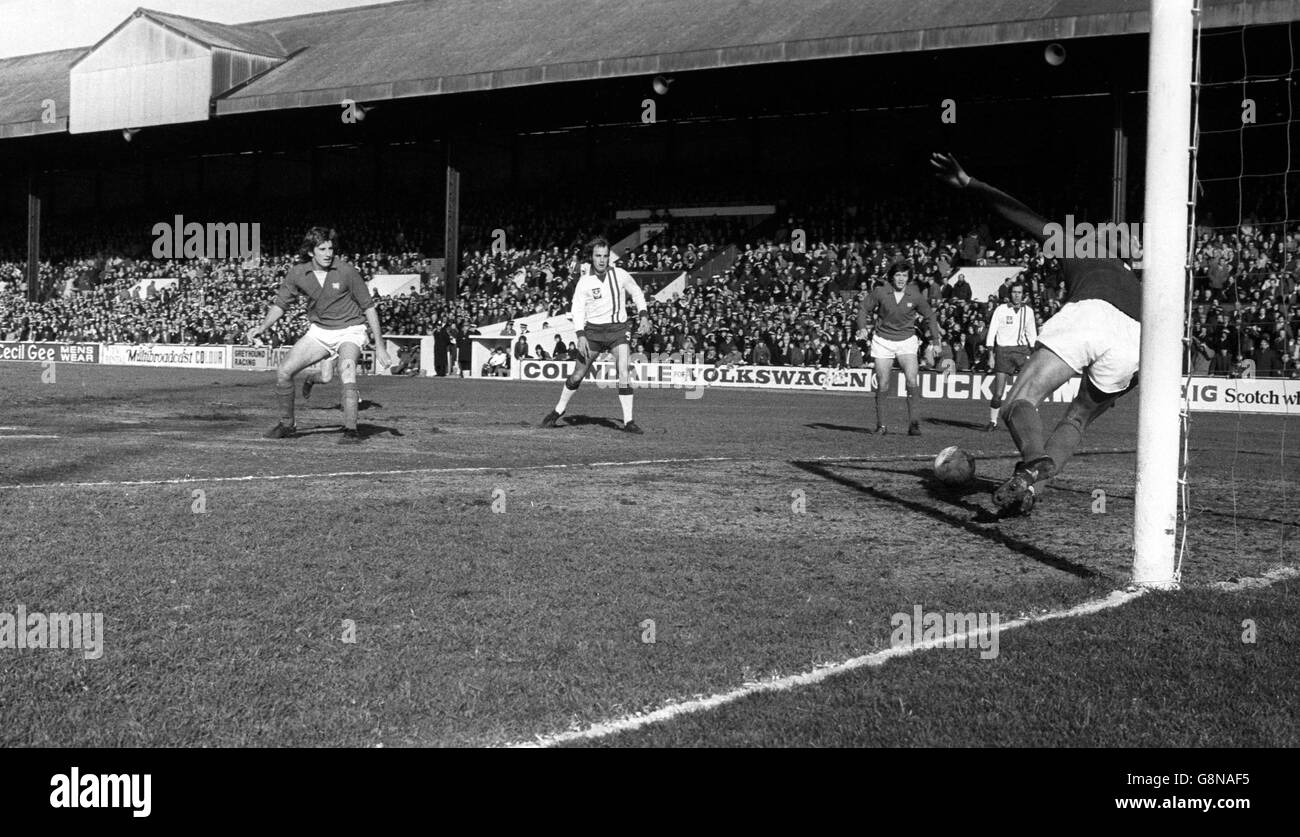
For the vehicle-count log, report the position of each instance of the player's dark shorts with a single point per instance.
(1010, 359)
(603, 338)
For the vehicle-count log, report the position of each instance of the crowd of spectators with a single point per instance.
(789, 297)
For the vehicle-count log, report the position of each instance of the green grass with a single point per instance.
(476, 628)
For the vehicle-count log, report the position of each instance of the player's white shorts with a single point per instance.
(890, 349)
(332, 338)
(1094, 335)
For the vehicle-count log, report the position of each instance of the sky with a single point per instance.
(28, 26)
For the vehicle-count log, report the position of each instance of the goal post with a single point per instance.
(1164, 280)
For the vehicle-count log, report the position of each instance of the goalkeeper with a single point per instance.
(1096, 333)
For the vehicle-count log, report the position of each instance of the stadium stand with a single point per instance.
(800, 306)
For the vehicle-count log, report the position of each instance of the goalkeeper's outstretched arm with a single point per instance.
(949, 171)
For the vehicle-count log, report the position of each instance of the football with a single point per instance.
(954, 466)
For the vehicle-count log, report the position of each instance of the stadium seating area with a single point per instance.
(771, 306)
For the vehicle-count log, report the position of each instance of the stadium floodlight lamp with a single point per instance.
(1054, 54)
(660, 85)
(128, 133)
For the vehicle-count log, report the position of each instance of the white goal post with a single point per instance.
(1168, 170)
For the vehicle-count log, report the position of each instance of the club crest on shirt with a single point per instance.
(910, 305)
(595, 292)
(335, 285)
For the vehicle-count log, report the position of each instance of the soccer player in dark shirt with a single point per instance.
(895, 337)
(339, 307)
(1097, 333)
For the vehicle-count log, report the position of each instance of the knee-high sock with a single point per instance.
(284, 395)
(1064, 441)
(880, 406)
(1026, 426)
(351, 400)
(565, 395)
(1069, 433)
(912, 394)
(625, 401)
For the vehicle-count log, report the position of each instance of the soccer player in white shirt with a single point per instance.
(1012, 334)
(601, 318)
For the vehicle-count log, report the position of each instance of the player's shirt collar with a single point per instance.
(309, 267)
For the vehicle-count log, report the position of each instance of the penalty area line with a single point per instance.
(469, 469)
(628, 723)
(476, 469)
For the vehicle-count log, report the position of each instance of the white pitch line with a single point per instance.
(27, 436)
(817, 675)
(913, 457)
(395, 472)
(463, 470)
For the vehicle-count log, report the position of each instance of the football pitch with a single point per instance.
(468, 578)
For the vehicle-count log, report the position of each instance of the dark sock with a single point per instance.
(350, 401)
(1069, 433)
(284, 395)
(1063, 442)
(1026, 426)
(911, 405)
(880, 407)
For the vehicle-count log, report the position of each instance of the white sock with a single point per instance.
(626, 401)
(993, 415)
(565, 395)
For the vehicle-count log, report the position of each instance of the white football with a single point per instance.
(954, 466)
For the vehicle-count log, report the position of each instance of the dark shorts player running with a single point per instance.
(1097, 333)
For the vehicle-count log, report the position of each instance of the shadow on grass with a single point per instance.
(960, 425)
(1196, 510)
(821, 425)
(978, 526)
(363, 404)
(366, 431)
(72, 469)
(583, 421)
